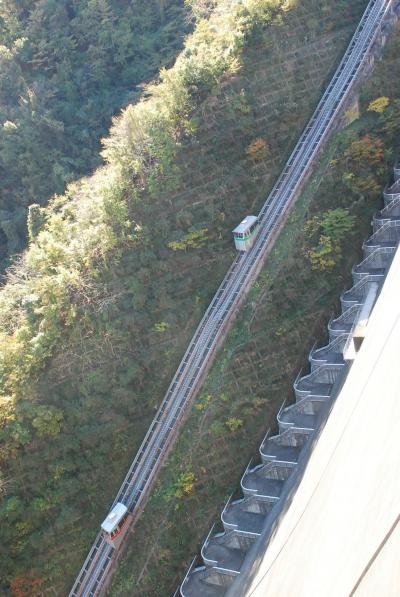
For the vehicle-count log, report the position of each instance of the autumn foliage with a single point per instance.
(367, 151)
(379, 105)
(258, 150)
(361, 165)
(27, 586)
(324, 237)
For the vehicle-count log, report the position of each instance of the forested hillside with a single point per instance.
(66, 67)
(95, 315)
(286, 312)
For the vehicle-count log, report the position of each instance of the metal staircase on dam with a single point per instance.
(263, 484)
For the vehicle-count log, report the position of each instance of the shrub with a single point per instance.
(326, 234)
(192, 240)
(233, 423)
(258, 150)
(379, 105)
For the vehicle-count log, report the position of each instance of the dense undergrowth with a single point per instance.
(286, 311)
(96, 314)
(66, 67)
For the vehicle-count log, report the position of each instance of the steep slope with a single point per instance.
(96, 316)
(287, 310)
(66, 68)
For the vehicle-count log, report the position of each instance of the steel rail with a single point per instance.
(205, 339)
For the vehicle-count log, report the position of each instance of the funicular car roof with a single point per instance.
(113, 517)
(245, 224)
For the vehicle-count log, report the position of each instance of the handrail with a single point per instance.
(355, 289)
(389, 206)
(316, 372)
(380, 230)
(378, 251)
(346, 315)
(331, 345)
(206, 544)
(266, 436)
(187, 575)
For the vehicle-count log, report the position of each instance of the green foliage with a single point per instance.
(325, 255)
(67, 305)
(192, 240)
(19, 435)
(201, 8)
(39, 504)
(36, 220)
(47, 421)
(234, 423)
(326, 234)
(161, 326)
(390, 122)
(356, 162)
(66, 69)
(337, 223)
(218, 429)
(203, 402)
(183, 486)
(292, 298)
(13, 507)
(79, 311)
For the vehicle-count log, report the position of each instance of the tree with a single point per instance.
(192, 240)
(361, 164)
(337, 223)
(66, 68)
(258, 150)
(364, 152)
(379, 105)
(324, 236)
(233, 423)
(201, 9)
(47, 421)
(36, 220)
(161, 326)
(390, 122)
(183, 486)
(13, 508)
(324, 256)
(27, 586)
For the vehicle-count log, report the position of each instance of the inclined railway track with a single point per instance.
(158, 438)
